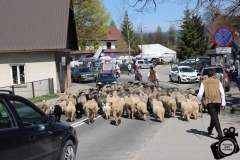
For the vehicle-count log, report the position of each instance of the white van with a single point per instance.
(142, 64)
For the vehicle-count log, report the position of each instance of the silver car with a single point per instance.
(219, 75)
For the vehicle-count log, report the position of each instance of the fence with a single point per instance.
(32, 89)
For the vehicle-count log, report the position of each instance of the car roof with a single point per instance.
(106, 73)
(209, 67)
(184, 67)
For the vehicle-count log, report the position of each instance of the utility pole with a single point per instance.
(128, 42)
(142, 37)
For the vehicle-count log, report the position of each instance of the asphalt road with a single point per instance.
(102, 140)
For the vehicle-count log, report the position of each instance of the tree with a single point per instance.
(159, 36)
(171, 35)
(191, 39)
(128, 33)
(91, 22)
(112, 23)
(232, 6)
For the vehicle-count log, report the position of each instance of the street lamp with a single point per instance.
(142, 36)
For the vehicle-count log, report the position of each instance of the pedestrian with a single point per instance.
(136, 64)
(138, 76)
(232, 76)
(211, 93)
(118, 72)
(152, 76)
(129, 68)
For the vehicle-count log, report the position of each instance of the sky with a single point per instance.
(165, 15)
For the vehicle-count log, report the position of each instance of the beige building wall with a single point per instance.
(38, 66)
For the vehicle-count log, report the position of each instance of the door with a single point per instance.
(145, 64)
(13, 140)
(39, 132)
(173, 74)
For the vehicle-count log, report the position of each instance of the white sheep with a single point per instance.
(117, 109)
(158, 110)
(70, 111)
(195, 108)
(107, 110)
(171, 107)
(186, 109)
(142, 110)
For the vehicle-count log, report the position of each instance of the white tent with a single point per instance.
(156, 50)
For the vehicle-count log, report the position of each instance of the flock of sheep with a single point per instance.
(133, 98)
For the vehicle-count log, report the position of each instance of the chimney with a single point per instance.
(216, 15)
(225, 20)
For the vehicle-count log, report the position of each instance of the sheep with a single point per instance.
(190, 91)
(90, 108)
(42, 105)
(63, 104)
(158, 110)
(118, 110)
(179, 99)
(72, 98)
(129, 106)
(171, 106)
(142, 110)
(57, 112)
(186, 109)
(107, 110)
(82, 99)
(51, 108)
(102, 99)
(195, 108)
(64, 97)
(79, 110)
(70, 111)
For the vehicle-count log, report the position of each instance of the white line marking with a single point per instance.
(82, 121)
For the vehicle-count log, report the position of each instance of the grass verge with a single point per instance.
(44, 97)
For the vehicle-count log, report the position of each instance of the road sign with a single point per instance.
(223, 50)
(223, 37)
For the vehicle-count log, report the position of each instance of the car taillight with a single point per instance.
(201, 77)
(225, 75)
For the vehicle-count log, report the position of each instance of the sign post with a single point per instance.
(223, 38)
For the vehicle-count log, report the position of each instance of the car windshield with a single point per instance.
(85, 69)
(186, 69)
(106, 76)
(217, 70)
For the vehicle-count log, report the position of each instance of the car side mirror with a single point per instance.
(52, 119)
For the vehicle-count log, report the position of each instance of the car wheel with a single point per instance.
(79, 80)
(68, 151)
(179, 80)
(170, 78)
(227, 89)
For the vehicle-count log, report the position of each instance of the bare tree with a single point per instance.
(232, 6)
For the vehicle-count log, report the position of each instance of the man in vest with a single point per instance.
(211, 93)
(152, 76)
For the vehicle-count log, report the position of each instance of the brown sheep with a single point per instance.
(70, 111)
(42, 105)
(117, 109)
(90, 108)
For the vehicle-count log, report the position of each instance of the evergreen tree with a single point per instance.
(191, 39)
(128, 34)
(171, 35)
(112, 23)
(159, 36)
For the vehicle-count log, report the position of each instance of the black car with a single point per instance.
(26, 132)
(80, 74)
(106, 78)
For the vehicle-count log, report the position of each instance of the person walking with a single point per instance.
(138, 76)
(136, 64)
(232, 76)
(211, 93)
(129, 68)
(152, 76)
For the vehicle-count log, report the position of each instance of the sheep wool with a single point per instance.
(142, 110)
(158, 110)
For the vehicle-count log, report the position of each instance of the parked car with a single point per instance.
(222, 77)
(183, 74)
(81, 74)
(106, 78)
(143, 64)
(26, 132)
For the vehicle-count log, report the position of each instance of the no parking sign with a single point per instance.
(223, 37)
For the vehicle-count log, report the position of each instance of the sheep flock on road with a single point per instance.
(133, 100)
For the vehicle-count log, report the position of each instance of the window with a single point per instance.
(17, 74)
(186, 70)
(28, 114)
(6, 119)
(108, 45)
